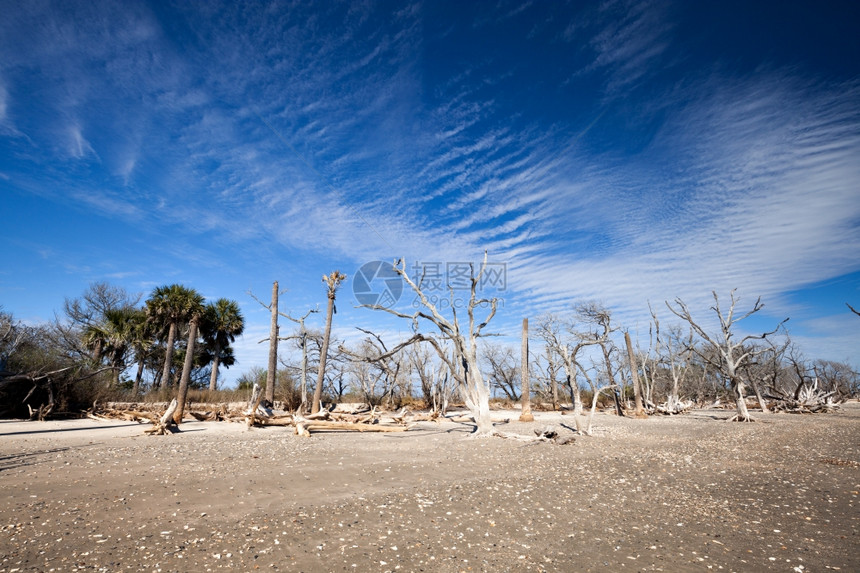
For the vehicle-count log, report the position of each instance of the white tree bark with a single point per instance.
(525, 394)
(733, 353)
(272, 372)
(463, 339)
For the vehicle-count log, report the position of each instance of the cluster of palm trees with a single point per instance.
(171, 313)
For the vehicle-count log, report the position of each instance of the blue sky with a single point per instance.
(620, 151)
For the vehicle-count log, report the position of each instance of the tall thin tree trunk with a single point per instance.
(618, 409)
(761, 401)
(273, 347)
(634, 373)
(168, 355)
(315, 407)
(304, 370)
(526, 415)
(138, 377)
(216, 360)
(185, 380)
(117, 370)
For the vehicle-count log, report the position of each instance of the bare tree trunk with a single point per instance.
(732, 353)
(476, 395)
(634, 374)
(761, 401)
(254, 404)
(273, 346)
(186, 371)
(117, 370)
(162, 426)
(304, 404)
(594, 397)
(737, 386)
(616, 398)
(742, 413)
(156, 380)
(526, 415)
(168, 355)
(138, 377)
(554, 387)
(575, 399)
(315, 407)
(216, 359)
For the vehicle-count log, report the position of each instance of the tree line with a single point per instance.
(89, 351)
(107, 342)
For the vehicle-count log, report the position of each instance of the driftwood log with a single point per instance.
(305, 427)
(254, 406)
(165, 425)
(807, 399)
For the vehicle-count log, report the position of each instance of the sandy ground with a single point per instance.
(689, 493)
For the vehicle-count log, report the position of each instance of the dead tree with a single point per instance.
(389, 370)
(272, 372)
(839, 377)
(817, 387)
(436, 382)
(569, 350)
(420, 361)
(596, 389)
(675, 350)
(463, 339)
(11, 337)
(546, 369)
(639, 411)
(649, 361)
(166, 424)
(302, 340)
(600, 321)
(731, 354)
(763, 366)
(332, 282)
(501, 369)
(526, 415)
(376, 370)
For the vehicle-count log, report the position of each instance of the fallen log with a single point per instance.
(305, 427)
(285, 420)
(369, 418)
(470, 418)
(128, 415)
(431, 417)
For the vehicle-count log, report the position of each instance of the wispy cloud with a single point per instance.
(746, 186)
(335, 132)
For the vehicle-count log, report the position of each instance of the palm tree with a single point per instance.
(141, 341)
(222, 323)
(195, 312)
(332, 282)
(168, 307)
(110, 339)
